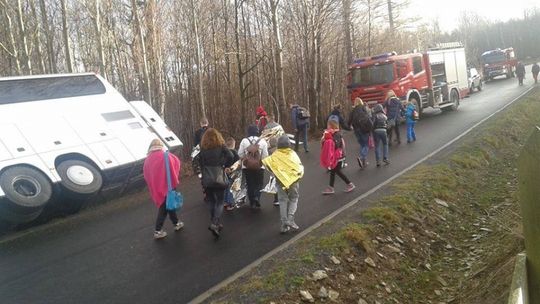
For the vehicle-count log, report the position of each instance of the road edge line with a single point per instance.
(207, 294)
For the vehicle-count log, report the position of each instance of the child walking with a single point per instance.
(333, 156)
(230, 204)
(287, 168)
(411, 116)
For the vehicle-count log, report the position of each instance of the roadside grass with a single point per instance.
(448, 231)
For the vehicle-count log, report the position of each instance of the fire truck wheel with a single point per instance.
(27, 189)
(454, 97)
(79, 177)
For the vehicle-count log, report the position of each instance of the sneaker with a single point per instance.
(284, 229)
(364, 163)
(214, 229)
(293, 226)
(276, 203)
(386, 161)
(159, 234)
(350, 187)
(378, 163)
(178, 226)
(257, 204)
(328, 191)
(360, 163)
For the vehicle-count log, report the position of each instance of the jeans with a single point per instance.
(288, 203)
(254, 183)
(215, 204)
(162, 214)
(337, 171)
(363, 140)
(381, 143)
(411, 136)
(228, 198)
(303, 130)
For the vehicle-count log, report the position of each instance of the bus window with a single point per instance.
(26, 90)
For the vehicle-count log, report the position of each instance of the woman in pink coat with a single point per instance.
(156, 179)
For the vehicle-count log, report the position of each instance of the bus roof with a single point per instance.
(45, 76)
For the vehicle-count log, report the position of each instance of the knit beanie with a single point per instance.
(283, 142)
(253, 130)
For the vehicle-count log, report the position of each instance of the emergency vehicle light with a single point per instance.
(385, 55)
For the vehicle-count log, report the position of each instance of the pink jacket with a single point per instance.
(330, 156)
(156, 176)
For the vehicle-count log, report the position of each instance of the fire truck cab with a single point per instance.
(435, 78)
(498, 63)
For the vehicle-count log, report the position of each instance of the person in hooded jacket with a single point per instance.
(333, 156)
(380, 125)
(361, 122)
(262, 118)
(155, 176)
(214, 153)
(301, 127)
(393, 108)
(520, 72)
(254, 176)
(336, 115)
(535, 70)
(411, 122)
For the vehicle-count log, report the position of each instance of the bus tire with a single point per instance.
(26, 188)
(79, 177)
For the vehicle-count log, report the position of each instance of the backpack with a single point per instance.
(252, 159)
(338, 140)
(302, 113)
(366, 125)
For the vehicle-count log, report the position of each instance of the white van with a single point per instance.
(74, 133)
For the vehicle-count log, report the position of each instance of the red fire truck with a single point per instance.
(499, 62)
(435, 78)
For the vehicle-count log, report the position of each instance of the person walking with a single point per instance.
(333, 156)
(214, 159)
(252, 151)
(360, 121)
(262, 118)
(272, 131)
(229, 202)
(287, 168)
(200, 132)
(155, 176)
(520, 72)
(336, 115)
(535, 70)
(300, 123)
(411, 117)
(393, 108)
(380, 125)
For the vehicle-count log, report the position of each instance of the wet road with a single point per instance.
(108, 255)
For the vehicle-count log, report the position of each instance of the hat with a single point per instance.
(253, 130)
(283, 142)
(378, 108)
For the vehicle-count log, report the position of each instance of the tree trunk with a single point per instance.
(38, 39)
(49, 36)
(194, 18)
(347, 29)
(390, 16)
(97, 27)
(14, 53)
(243, 105)
(65, 35)
(24, 41)
(147, 93)
(278, 59)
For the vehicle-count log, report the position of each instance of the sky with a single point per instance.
(447, 12)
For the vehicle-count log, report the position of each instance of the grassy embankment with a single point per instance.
(447, 232)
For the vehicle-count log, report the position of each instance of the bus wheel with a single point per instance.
(79, 177)
(454, 98)
(27, 189)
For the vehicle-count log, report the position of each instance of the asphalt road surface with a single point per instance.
(109, 255)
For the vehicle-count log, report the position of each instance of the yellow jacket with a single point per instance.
(285, 165)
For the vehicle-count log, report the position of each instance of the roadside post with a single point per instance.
(529, 198)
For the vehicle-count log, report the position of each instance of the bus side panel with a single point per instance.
(50, 135)
(4, 153)
(158, 125)
(111, 153)
(49, 158)
(15, 143)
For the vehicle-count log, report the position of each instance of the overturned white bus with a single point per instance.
(72, 134)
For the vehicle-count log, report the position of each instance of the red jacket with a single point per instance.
(330, 156)
(156, 176)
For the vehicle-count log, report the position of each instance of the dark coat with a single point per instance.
(198, 135)
(220, 157)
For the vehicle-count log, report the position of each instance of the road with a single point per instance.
(108, 255)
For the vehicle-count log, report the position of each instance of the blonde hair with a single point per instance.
(390, 93)
(332, 124)
(358, 102)
(155, 145)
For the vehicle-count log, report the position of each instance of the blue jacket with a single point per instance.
(409, 113)
(296, 122)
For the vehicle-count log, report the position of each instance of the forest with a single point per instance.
(223, 58)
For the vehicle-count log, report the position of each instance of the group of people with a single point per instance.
(231, 176)
(520, 72)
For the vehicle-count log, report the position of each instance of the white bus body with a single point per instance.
(74, 131)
